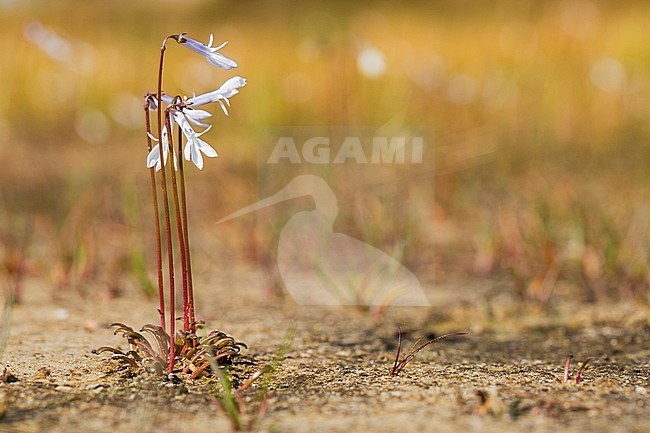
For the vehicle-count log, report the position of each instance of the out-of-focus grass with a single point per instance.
(539, 110)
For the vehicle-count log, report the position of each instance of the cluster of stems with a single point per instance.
(160, 183)
(581, 368)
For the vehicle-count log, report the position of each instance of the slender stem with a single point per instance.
(188, 270)
(581, 368)
(161, 293)
(179, 228)
(567, 365)
(398, 366)
(393, 371)
(168, 231)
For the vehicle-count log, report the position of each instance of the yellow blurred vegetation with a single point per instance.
(540, 112)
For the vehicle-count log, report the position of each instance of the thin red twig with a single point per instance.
(161, 293)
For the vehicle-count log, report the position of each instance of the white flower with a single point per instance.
(195, 146)
(207, 51)
(153, 158)
(227, 90)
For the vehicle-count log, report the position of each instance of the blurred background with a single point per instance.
(540, 112)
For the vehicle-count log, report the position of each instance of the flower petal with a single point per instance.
(153, 157)
(206, 149)
(223, 107)
(221, 61)
(227, 90)
(207, 51)
(165, 144)
(197, 159)
(196, 116)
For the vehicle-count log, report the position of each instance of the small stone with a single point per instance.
(6, 376)
(641, 390)
(42, 373)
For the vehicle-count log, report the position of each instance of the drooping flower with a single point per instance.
(227, 90)
(207, 51)
(184, 111)
(152, 100)
(153, 158)
(195, 147)
(183, 116)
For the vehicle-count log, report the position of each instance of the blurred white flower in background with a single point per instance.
(371, 62)
(47, 40)
(92, 126)
(608, 74)
(78, 56)
(461, 89)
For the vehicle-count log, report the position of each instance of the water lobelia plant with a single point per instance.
(581, 367)
(400, 364)
(181, 350)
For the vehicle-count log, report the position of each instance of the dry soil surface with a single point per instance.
(504, 376)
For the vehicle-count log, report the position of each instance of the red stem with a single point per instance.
(188, 263)
(161, 293)
(393, 371)
(168, 233)
(179, 228)
(567, 365)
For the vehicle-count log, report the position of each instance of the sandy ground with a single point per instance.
(335, 377)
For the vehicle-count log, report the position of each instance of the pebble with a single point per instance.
(641, 390)
(42, 373)
(95, 388)
(6, 376)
